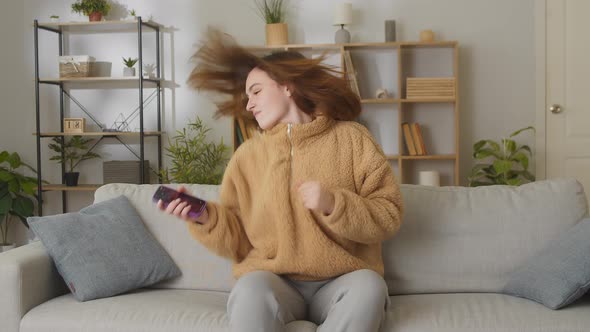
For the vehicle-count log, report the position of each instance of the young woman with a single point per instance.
(305, 206)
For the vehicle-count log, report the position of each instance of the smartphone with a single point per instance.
(167, 195)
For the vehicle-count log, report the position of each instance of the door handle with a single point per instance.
(555, 109)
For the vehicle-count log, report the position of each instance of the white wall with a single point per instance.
(496, 61)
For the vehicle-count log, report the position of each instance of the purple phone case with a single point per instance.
(167, 195)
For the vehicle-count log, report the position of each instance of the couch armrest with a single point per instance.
(28, 278)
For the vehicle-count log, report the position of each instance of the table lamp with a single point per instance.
(342, 17)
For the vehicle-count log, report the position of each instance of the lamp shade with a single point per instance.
(343, 14)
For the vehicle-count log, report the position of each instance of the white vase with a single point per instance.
(6, 247)
(127, 72)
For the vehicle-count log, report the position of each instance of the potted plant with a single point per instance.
(509, 164)
(74, 151)
(133, 14)
(272, 13)
(17, 194)
(128, 70)
(194, 159)
(148, 70)
(54, 18)
(94, 9)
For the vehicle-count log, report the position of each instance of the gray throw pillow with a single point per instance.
(559, 274)
(104, 249)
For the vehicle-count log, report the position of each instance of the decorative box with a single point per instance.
(430, 87)
(124, 171)
(75, 65)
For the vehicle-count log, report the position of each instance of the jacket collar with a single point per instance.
(302, 131)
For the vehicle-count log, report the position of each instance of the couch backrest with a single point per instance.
(453, 239)
(459, 239)
(200, 268)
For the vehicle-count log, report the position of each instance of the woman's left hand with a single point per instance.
(316, 197)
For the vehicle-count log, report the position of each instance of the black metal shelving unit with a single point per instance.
(61, 29)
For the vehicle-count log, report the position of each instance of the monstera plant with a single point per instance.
(508, 163)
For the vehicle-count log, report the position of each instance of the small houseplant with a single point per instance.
(17, 194)
(133, 14)
(75, 150)
(128, 70)
(54, 18)
(273, 13)
(148, 70)
(94, 9)
(509, 164)
(194, 159)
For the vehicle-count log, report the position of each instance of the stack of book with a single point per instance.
(351, 74)
(414, 140)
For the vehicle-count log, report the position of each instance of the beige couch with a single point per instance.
(444, 269)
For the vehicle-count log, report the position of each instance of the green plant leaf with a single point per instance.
(521, 130)
(5, 175)
(526, 148)
(502, 166)
(484, 153)
(522, 159)
(3, 156)
(14, 160)
(509, 146)
(23, 206)
(478, 145)
(514, 182)
(5, 203)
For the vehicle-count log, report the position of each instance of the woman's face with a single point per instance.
(268, 101)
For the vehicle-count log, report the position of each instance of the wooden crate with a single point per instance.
(75, 66)
(430, 87)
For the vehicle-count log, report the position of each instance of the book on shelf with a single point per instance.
(418, 139)
(242, 128)
(246, 129)
(351, 73)
(239, 136)
(408, 139)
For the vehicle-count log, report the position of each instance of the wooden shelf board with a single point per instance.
(63, 187)
(380, 101)
(107, 133)
(357, 45)
(392, 156)
(444, 43)
(122, 25)
(428, 100)
(97, 79)
(431, 157)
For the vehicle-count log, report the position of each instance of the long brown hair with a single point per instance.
(222, 66)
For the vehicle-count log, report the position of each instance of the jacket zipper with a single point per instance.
(289, 129)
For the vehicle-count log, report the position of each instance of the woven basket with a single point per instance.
(75, 66)
(124, 171)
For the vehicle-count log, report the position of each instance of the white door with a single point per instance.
(567, 102)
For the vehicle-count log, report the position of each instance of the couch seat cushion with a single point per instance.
(143, 310)
(191, 310)
(482, 312)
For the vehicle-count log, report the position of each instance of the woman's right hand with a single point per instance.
(181, 209)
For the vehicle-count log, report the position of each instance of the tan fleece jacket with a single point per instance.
(261, 224)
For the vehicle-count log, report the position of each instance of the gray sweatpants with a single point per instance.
(262, 302)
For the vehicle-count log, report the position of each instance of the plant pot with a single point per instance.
(127, 72)
(71, 179)
(6, 247)
(277, 34)
(95, 17)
